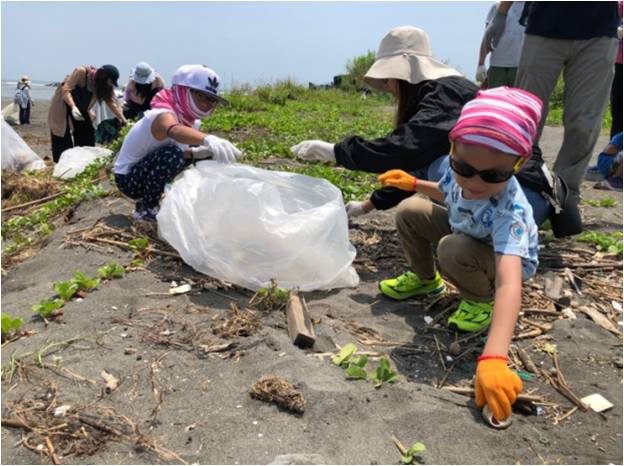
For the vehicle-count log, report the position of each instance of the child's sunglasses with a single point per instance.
(489, 176)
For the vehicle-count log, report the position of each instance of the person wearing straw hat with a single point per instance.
(156, 149)
(143, 85)
(484, 232)
(23, 100)
(430, 95)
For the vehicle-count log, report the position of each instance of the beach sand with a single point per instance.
(197, 404)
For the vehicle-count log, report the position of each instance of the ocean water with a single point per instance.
(38, 90)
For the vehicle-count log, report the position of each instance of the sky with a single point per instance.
(244, 42)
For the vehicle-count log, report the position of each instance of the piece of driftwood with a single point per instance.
(300, 328)
(553, 286)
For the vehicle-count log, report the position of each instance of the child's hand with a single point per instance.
(398, 179)
(497, 385)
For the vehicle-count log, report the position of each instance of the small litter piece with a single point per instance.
(597, 402)
(274, 389)
(61, 410)
(428, 319)
(112, 382)
(180, 289)
(490, 420)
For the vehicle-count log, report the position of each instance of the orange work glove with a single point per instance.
(497, 385)
(398, 179)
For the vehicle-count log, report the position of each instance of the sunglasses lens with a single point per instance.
(489, 176)
(462, 169)
(495, 176)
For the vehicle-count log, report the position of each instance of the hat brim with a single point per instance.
(216, 97)
(148, 80)
(411, 68)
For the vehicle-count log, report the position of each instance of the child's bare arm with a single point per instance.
(507, 301)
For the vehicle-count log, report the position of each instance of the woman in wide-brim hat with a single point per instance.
(143, 85)
(430, 96)
(69, 117)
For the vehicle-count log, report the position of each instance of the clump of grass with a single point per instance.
(603, 202)
(609, 242)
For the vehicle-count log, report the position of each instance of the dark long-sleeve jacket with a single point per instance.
(414, 144)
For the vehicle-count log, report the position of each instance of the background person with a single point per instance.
(143, 85)
(23, 100)
(69, 118)
(504, 59)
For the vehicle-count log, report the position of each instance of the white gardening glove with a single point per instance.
(495, 30)
(222, 150)
(314, 150)
(201, 152)
(620, 33)
(357, 208)
(481, 74)
(76, 114)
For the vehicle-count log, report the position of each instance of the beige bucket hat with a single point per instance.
(405, 53)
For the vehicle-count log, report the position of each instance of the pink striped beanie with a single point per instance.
(504, 118)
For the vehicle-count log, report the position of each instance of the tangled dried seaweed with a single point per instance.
(22, 187)
(61, 430)
(273, 389)
(239, 324)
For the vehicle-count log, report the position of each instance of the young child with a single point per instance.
(486, 236)
(610, 164)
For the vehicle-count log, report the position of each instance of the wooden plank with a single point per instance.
(300, 328)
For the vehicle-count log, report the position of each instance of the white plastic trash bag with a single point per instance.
(11, 113)
(73, 161)
(16, 154)
(247, 225)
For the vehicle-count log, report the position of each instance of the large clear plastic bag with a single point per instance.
(11, 113)
(73, 161)
(16, 154)
(246, 225)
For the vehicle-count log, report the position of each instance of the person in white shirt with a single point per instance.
(156, 149)
(504, 59)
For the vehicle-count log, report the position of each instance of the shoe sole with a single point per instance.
(436, 292)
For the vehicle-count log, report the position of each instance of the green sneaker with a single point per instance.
(471, 316)
(408, 285)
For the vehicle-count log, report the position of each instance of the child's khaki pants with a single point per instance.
(468, 263)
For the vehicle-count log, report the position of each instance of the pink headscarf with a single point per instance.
(503, 118)
(179, 100)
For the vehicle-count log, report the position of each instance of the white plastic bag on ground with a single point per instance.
(11, 113)
(73, 161)
(16, 154)
(247, 225)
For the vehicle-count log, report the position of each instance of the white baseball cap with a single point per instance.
(198, 77)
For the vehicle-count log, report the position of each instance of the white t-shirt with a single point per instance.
(139, 142)
(507, 52)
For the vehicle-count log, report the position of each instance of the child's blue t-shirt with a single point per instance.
(606, 161)
(505, 220)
